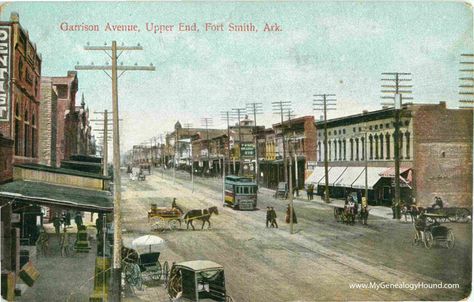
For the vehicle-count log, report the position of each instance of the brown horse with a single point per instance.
(204, 215)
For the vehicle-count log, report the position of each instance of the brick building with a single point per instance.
(299, 135)
(48, 121)
(66, 117)
(435, 155)
(6, 159)
(20, 65)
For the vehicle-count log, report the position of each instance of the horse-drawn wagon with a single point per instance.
(163, 217)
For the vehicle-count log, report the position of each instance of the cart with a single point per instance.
(199, 280)
(282, 190)
(142, 261)
(435, 233)
(162, 218)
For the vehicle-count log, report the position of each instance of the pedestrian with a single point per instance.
(57, 224)
(78, 220)
(269, 216)
(99, 224)
(64, 243)
(42, 243)
(273, 217)
(311, 191)
(287, 218)
(307, 192)
(67, 221)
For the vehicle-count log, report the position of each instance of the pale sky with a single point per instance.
(324, 47)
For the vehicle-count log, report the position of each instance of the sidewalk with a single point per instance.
(379, 211)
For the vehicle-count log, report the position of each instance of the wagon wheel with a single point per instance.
(416, 239)
(155, 272)
(173, 224)
(450, 239)
(133, 275)
(158, 224)
(166, 272)
(228, 299)
(429, 240)
(175, 284)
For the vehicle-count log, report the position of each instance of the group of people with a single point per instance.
(65, 221)
(271, 216)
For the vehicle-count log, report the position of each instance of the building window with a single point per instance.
(33, 135)
(376, 127)
(401, 145)
(376, 139)
(407, 122)
(344, 147)
(340, 150)
(371, 146)
(387, 125)
(407, 135)
(319, 151)
(381, 146)
(370, 127)
(354, 129)
(343, 131)
(335, 150)
(357, 148)
(387, 144)
(363, 148)
(352, 148)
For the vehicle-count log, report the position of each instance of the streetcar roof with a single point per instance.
(240, 180)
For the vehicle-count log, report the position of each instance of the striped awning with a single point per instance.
(349, 177)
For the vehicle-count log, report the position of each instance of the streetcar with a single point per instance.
(240, 192)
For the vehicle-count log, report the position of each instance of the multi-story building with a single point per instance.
(20, 68)
(435, 146)
(48, 121)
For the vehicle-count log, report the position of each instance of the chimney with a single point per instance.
(365, 111)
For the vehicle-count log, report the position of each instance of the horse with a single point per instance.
(364, 215)
(203, 215)
(349, 214)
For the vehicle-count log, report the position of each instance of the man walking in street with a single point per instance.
(273, 217)
(269, 217)
(57, 224)
(64, 243)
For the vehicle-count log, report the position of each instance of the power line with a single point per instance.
(255, 108)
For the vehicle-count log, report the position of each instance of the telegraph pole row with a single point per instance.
(325, 103)
(395, 92)
(188, 126)
(255, 108)
(105, 151)
(206, 122)
(225, 117)
(281, 108)
(236, 113)
(116, 272)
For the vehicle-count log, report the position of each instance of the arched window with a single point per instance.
(319, 151)
(340, 149)
(335, 150)
(376, 139)
(407, 136)
(357, 148)
(387, 143)
(400, 145)
(26, 134)
(352, 148)
(363, 148)
(371, 147)
(381, 146)
(344, 148)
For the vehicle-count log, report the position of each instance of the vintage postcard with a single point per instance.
(236, 151)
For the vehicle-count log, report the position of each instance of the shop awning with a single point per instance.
(373, 176)
(333, 175)
(390, 172)
(47, 194)
(315, 176)
(349, 177)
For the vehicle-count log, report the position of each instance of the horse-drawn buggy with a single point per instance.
(429, 231)
(199, 280)
(141, 261)
(350, 212)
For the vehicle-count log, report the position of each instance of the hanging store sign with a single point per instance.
(248, 150)
(5, 54)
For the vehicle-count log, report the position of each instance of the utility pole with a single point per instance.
(116, 272)
(206, 122)
(395, 91)
(237, 112)
(187, 126)
(280, 108)
(325, 103)
(255, 108)
(105, 136)
(467, 81)
(225, 117)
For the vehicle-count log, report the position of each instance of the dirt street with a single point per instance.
(320, 262)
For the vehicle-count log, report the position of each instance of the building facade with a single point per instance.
(48, 121)
(368, 139)
(20, 67)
